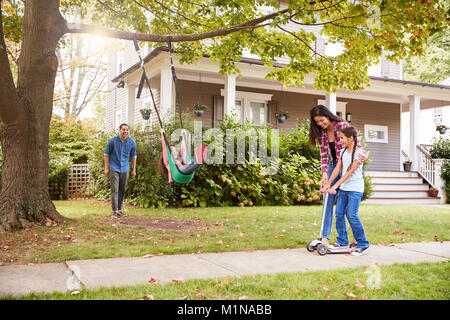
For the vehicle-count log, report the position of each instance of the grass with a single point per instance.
(94, 234)
(396, 282)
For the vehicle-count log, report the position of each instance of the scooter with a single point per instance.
(322, 248)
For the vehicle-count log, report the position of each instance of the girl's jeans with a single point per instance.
(328, 220)
(348, 205)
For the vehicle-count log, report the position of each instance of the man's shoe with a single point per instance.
(122, 214)
(116, 215)
(337, 245)
(359, 251)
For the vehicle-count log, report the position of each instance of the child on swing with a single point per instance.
(182, 165)
(351, 190)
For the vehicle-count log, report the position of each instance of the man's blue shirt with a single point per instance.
(119, 153)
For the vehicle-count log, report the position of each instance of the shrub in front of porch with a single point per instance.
(241, 184)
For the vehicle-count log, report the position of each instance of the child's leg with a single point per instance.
(328, 220)
(341, 208)
(354, 199)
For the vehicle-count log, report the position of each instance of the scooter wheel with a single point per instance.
(309, 247)
(322, 249)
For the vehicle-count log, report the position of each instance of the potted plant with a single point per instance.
(199, 109)
(441, 128)
(407, 164)
(145, 113)
(281, 116)
(433, 192)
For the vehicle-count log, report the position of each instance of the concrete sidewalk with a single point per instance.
(91, 274)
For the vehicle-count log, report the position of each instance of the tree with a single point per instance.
(364, 28)
(434, 65)
(81, 74)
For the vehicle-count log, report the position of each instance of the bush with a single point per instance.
(440, 148)
(445, 175)
(246, 184)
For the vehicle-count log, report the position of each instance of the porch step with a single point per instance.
(393, 174)
(397, 180)
(403, 201)
(399, 187)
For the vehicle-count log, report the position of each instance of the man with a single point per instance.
(117, 156)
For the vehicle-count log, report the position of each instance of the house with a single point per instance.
(375, 112)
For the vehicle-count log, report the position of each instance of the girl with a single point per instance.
(324, 129)
(352, 188)
(183, 166)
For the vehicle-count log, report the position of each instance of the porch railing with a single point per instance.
(427, 167)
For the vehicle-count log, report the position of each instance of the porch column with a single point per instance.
(330, 102)
(165, 99)
(414, 130)
(229, 94)
(131, 105)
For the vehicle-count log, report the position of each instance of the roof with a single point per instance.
(157, 50)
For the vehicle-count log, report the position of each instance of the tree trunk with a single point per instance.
(25, 119)
(24, 197)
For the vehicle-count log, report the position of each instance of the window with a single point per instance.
(373, 133)
(118, 118)
(119, 60)
(341, 107)
(251, 106)
(437, 116)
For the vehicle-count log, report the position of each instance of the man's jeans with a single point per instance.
(348, 205)
(118, 182)
(328, 220)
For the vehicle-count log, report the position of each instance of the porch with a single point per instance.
(375, 112)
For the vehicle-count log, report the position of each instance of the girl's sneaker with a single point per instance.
(359, 251)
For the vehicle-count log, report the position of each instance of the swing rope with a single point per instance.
(177, 176)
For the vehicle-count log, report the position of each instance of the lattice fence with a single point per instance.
(79, 183)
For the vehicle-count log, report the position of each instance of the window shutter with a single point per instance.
(218, 110)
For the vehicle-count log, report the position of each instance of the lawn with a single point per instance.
(394, 282)
(93, 233)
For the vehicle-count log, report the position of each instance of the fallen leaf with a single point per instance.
(76, 292)
(148, 256)
(178, 280)
(153, 280)
(220, 242)
(359, 284)
(298, 291)
(201, 295)
(351, 295)
(148, 297)
(243, 298)
(325, 288)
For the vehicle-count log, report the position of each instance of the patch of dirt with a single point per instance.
(163, 224)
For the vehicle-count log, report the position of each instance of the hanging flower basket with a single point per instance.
(281, 116)
(145, 113)
(441, 128)
(199, 109)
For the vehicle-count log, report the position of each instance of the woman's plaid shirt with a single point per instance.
(325, 152)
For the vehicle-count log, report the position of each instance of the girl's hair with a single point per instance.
(314, 129)
(161, 167)
(351, 132)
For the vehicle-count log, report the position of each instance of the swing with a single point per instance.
(184, 174)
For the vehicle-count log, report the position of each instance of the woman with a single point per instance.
(324, 130)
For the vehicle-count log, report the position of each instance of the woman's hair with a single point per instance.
(351, 132)
(161, 167)
(314, 129)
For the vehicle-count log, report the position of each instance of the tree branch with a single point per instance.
(90, 29)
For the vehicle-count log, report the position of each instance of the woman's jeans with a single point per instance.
(328, 220)
(348, 205)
